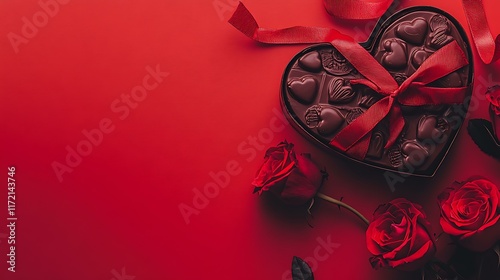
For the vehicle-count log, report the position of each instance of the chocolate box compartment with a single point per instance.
(319, 101)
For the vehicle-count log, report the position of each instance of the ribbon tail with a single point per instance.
(487, 47)
(243, 20)
(357, 9)
(359, 57)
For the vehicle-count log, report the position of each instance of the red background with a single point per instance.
(119, 208)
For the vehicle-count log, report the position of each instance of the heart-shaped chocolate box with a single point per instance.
(320, 101)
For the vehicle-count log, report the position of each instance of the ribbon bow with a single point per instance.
(415, 91)
(354, 139)
(487, 47)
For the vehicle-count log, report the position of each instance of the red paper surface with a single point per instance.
(116, 214)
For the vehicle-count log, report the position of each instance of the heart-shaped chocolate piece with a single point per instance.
(413, 32)
(431, 128)
(414, 154)
(303, 89)
(395, 56)
(400, 44)
(418, 57)
(326, 120)
(311, 62)
(440, 32)
(338, 92)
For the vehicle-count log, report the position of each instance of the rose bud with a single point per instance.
(294, 179)
(399, 236)
(493, 96)
(470, 212)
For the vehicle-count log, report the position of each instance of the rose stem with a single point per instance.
(346, 206)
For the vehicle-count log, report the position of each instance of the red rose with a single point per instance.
(470, 211)
(399, 236)
(295, 179)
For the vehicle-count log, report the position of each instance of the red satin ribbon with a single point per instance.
(355, 138)
(357, 9)
(487, 46)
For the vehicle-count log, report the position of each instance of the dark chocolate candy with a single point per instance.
(319, 99)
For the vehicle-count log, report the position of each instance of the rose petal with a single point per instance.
(310, 170)
(267, 176)
(416, 260)
(298, 189)
(483, 239)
